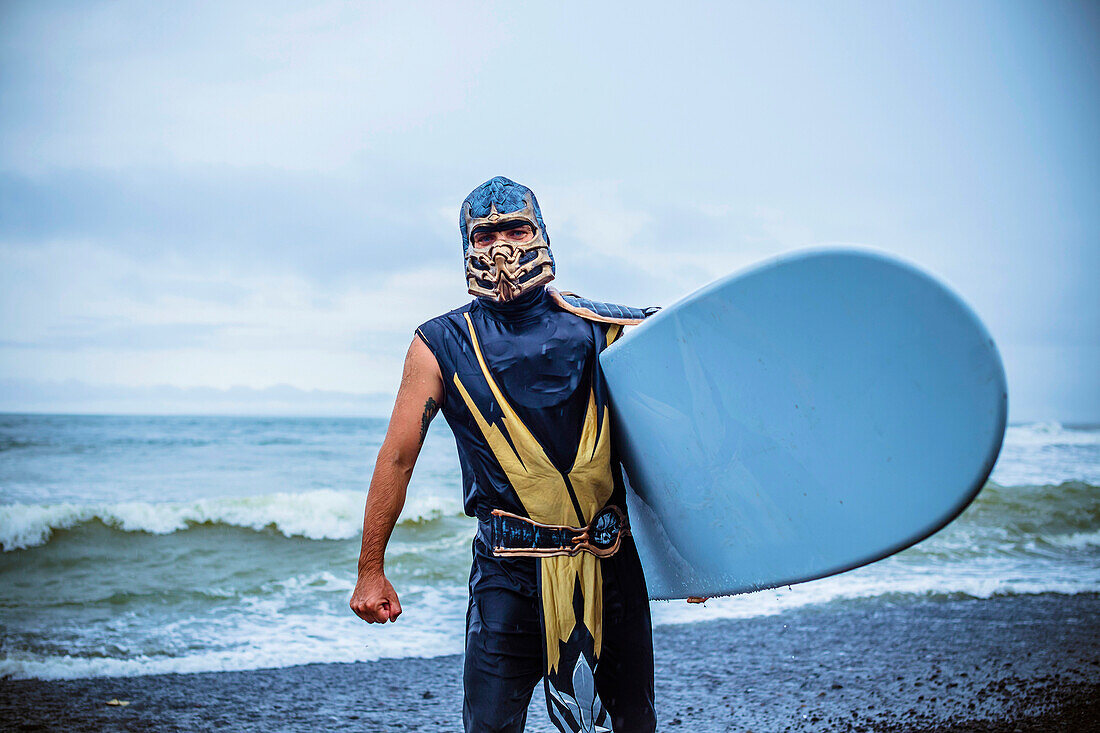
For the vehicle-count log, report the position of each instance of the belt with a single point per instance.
(514, 535)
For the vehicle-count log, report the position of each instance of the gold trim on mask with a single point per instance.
(496, 271)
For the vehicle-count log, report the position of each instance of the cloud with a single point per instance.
(252, 85)
(77, 397)
(124, 338)
(78, 309)
(256, 219)
(264, 192)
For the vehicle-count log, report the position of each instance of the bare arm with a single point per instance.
(374, 599)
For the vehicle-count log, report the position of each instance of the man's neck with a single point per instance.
(526, 304)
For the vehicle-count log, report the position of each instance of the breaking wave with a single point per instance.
(1051, 433)
(317, 515)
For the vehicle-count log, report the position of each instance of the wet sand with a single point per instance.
(1028, 663)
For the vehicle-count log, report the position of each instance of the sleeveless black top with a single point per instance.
(528, 406)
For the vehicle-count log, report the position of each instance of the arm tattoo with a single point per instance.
(430, 408)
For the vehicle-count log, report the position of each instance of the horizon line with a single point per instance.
(1072, 424)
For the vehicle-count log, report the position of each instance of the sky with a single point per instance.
(249, 207)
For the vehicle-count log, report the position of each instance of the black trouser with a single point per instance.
(505, 646)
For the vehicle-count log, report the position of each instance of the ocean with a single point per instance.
(140, 544)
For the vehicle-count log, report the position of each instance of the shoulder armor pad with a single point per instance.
(592, 310)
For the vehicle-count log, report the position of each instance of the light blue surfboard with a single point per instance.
(810, 415)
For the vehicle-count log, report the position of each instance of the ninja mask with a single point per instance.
(510, 265)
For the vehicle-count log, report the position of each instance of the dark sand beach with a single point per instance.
(1026, 663)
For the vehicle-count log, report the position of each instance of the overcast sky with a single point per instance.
(218, 195)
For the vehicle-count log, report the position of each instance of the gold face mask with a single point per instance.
(506, 269)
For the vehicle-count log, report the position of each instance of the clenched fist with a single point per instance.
(374, 600)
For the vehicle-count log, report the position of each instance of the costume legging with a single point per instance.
(504, 658)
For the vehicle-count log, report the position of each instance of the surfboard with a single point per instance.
(799, 419)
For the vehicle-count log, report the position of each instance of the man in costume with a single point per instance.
(556, 587)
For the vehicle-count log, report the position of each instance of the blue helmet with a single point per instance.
(505, 269)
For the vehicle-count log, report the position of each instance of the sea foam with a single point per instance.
(323, 514)
(1050, 433)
